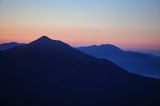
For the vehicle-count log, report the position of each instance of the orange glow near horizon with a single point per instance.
(79, 38)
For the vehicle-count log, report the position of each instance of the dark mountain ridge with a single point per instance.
(50, 72)
(5, 46)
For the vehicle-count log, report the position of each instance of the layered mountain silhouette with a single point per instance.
(135, 62)
(6, 46)
(49, 72)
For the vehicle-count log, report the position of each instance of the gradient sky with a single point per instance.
(125, 23)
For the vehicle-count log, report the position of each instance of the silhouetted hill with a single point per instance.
(135, 62)
(48, 72)
(6, 46)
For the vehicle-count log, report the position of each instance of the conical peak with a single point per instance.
(46, 41)
(44, 37)
(43, 40)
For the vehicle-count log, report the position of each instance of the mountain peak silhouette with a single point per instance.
(44, 37)
(46, 41)
(108, 45)
(106, 48)
(46, 45)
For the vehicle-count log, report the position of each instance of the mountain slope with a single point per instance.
(139, 63)
(6, 46)
(50, 72)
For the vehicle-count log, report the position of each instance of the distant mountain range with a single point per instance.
(134, 62)
(49, 72)
(5, 46)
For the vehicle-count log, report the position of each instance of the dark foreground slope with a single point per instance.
(47, 72)
(135, 62)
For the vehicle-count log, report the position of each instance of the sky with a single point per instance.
(129, 24)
